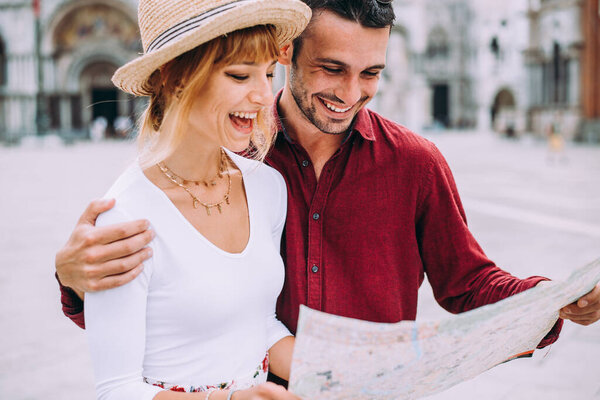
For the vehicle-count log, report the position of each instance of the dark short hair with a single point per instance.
(368, 13)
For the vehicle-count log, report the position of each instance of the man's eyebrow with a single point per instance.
(331, 61)
(344, 65)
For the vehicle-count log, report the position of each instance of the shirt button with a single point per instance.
(305, 163)
(315, 269)
(316, 216)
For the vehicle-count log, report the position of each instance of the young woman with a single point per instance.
(201, 315)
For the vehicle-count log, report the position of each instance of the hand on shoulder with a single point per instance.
(98, 258)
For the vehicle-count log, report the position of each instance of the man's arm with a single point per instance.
(460, 273)
(99, 258)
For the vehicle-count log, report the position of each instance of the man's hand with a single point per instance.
(584, 311)
(102, 258)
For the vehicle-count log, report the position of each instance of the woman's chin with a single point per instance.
(237, 146)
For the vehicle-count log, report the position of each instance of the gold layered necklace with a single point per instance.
(196, 202)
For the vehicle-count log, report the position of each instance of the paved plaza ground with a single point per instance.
(532, 215)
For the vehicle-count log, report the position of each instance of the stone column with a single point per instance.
(573, 95)
(65, 114)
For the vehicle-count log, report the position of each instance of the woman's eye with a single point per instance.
(271, 75)
(238, 77)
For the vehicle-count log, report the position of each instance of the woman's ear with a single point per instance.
(285, 54)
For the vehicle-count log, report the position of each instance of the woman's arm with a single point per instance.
(280, 357)
(116, 332)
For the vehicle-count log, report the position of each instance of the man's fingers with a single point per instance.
(114, 281)
(124, 264)
(119, 249)
(94, 209)
(582, 314)
(590, 298)
(586, 319)
(113, 233)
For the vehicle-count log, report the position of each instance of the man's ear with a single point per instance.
(285, 54)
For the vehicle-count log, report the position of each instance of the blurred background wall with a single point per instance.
(518, 67)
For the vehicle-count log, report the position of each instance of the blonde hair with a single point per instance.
(185, 76)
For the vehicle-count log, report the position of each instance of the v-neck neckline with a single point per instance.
(189, 225)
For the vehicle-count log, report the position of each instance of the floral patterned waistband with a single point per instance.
(257, 377)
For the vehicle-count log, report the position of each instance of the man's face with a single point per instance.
(336, 70)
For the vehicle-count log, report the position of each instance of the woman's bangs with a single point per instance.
(257, 44)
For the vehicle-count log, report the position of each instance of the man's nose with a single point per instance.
(350, 91)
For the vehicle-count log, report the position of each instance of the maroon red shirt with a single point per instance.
(359, 242)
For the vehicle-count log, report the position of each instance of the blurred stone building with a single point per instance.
(429, 80)
(515, 66)
(563, 65)
(60, 82)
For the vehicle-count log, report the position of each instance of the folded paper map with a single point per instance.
(345, 358)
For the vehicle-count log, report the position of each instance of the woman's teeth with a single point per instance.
(244, 115)
(334, 108)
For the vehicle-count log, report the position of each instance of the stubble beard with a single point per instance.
(300, 96)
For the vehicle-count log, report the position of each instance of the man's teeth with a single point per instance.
(244, 115)
(334, 108)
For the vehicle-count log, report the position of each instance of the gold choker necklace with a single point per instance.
(196, 202)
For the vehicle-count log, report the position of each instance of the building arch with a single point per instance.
(503, 111)
(87, 40)
(65, 11)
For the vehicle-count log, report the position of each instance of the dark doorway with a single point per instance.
(441, 104)
(104, 104)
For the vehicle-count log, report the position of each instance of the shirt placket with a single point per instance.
(316, 224)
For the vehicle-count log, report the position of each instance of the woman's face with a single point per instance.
(225, 111)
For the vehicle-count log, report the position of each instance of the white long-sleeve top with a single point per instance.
(196, 315)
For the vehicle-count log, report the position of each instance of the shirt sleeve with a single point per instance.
(275, 329)
(115, 322)
(72, 305)
(461, 275)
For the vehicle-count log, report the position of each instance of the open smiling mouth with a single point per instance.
(333, 108)
(243, 121)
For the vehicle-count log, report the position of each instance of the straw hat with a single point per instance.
(170, 28)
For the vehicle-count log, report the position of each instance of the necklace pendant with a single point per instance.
(213, 183)
(219, 208)
(227, 199)
(207, 210)
(196, 203)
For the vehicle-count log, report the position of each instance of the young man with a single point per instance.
(372, 207)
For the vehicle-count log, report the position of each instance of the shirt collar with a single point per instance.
(362, 122)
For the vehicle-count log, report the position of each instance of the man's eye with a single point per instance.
(332, 70)
(238, 77)
(371, 73)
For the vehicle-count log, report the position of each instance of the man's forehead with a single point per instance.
(336, 38)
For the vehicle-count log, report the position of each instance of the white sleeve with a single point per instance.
(115, 322)
(275, 329)
(280, 213)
